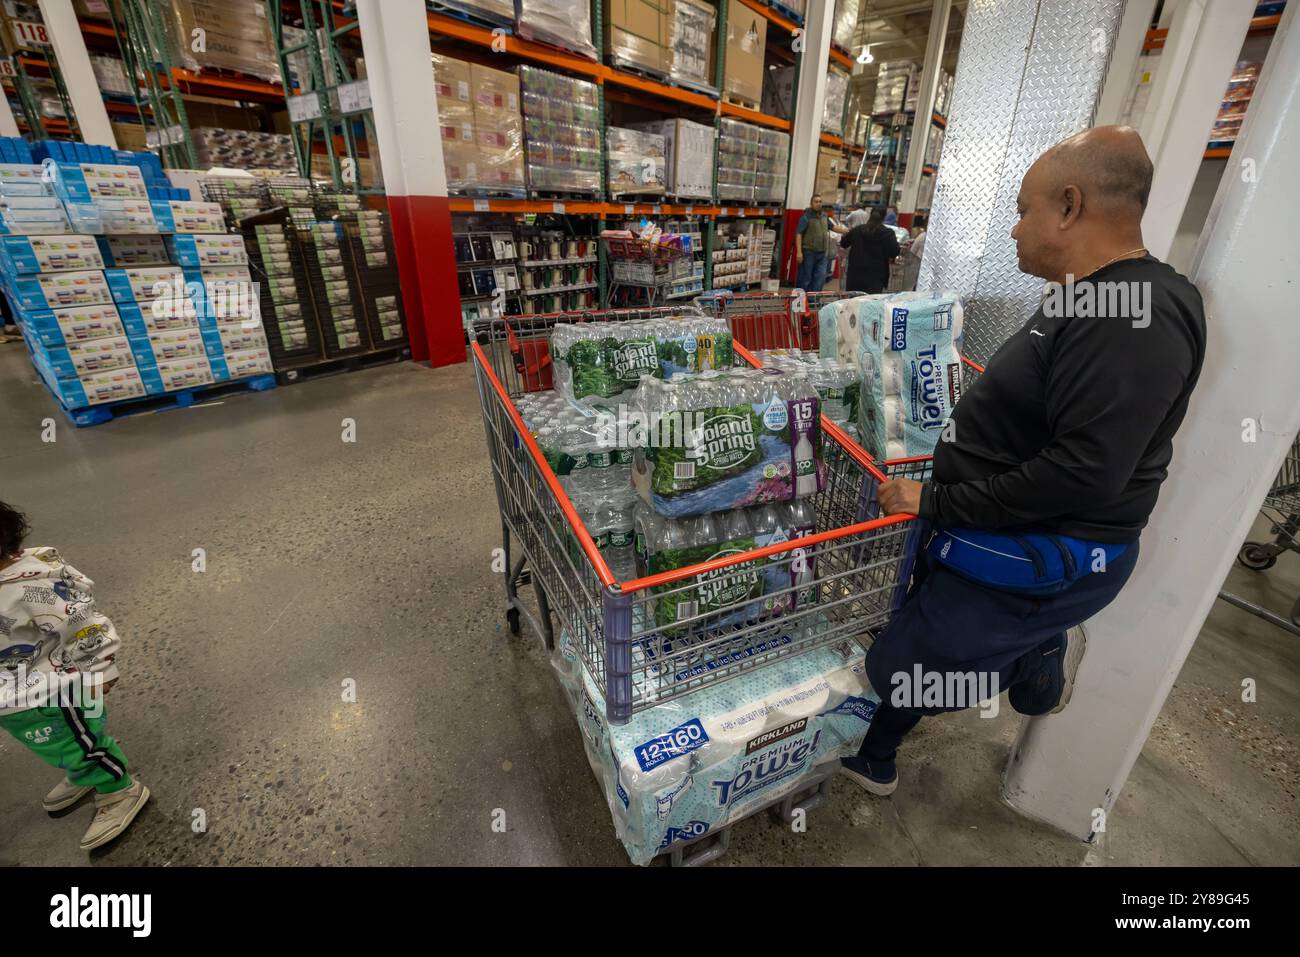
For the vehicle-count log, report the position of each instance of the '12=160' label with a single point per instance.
(671, 744)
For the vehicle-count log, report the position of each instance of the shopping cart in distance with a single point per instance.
(644, 272)
(771, 320)
(1282, 507)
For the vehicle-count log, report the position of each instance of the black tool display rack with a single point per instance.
(377, 281)
(279, 305)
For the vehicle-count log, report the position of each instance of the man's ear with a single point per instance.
(1071, 206)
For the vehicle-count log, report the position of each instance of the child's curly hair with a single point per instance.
(13, 529)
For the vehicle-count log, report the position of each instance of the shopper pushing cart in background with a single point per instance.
(51, 635)
(1055, 458)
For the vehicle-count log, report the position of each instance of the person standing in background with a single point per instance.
(913, 252)
(872, 247)
(810, 244)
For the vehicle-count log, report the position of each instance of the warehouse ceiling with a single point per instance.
(900, 30)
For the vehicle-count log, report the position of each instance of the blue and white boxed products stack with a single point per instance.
(110, 308)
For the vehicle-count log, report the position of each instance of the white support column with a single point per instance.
(809, 104)
(1066, 767)
(1124, 56)
(395, 39)
(8, 125)
(78, 76)
(1189, 114)
(922, 124)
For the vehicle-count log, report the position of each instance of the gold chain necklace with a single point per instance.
(1123, 255)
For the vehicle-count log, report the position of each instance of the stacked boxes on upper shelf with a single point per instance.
(638, 34)
(837, 92)
(892, 83)
(563, 131)
(561, 23)
(846, 19)
(752, 162)
(481, 126)
(691, 44)
(746, 46)
(236, 36)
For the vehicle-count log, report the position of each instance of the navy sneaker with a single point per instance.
(876, 777)
(1048, 690)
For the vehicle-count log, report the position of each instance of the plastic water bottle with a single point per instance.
(802, 517)
(617, 521)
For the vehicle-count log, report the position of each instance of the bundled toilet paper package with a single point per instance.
(904, 347)
(693, 765)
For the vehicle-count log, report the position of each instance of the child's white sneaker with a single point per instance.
(64, 794)
(113, 814)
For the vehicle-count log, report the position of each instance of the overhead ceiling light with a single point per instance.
(865, 56)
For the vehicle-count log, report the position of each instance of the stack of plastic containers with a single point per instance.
(562, 127)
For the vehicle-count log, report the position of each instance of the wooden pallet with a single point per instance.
(325, 367)
(741, 102)
(180, 399)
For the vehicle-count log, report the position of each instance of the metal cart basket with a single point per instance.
(652, 268)
(1283, 498)
(846, 578)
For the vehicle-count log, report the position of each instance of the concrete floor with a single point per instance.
(372, 561)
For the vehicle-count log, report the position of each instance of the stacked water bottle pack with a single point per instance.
(837, 384)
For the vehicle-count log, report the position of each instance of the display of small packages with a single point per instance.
(635, 162)
(285, 298)
(722, 440)
(377, 276)
(186, 216)
(691, 766)
(606, 359)
(340, 320)
(133, 250)
(903, 348)
(28, 205)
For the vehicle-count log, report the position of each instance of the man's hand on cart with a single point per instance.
(900, 495)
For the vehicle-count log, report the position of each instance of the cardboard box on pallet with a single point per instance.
(638, 34)
(688, 156)
(236, 33)
(746, 45)
(692, 52)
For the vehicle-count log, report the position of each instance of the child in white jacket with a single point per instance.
(56, 663)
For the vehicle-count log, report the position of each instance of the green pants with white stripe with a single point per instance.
(74, 741)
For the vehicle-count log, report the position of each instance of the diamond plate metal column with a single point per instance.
(1029, 75)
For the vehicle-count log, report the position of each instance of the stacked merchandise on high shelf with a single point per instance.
(244, 149)
(635, 163)
(110, 76)
(562, 122)
(691, 42)
(116, 304)
(893, 81)
(561, 23)
(688, 157)
(487, 274)
(481, 126)
(846, 20)
(638, 35)
(943, 95)
(837, 92)
(752, 162)
(496, 13)
(560, 271)
(236, 36)
(1232, 110)
(743, 66)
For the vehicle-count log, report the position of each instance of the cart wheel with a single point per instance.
(1256, 556)
(512, 619)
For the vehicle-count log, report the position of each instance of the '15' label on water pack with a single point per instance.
(671, 744)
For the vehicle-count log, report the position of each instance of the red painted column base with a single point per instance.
(426, 263)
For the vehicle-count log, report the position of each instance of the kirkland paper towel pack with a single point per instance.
(909, 363)
(695, 764)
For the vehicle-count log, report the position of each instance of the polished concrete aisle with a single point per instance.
(370, 562)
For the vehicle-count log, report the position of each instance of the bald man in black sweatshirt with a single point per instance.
(1053, 458)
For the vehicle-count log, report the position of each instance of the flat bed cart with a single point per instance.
(851, 573)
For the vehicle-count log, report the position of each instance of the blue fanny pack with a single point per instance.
(1031, 563)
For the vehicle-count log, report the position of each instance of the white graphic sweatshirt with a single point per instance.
(50, 631)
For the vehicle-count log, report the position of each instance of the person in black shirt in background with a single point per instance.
(1053, 458)
(872, 247)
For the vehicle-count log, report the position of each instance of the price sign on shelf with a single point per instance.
(354, 97)
(628, 209)
(557, 207)
(481, 205)
(304, 107)
(29, 34)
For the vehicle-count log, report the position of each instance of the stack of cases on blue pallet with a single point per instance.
(111, 273)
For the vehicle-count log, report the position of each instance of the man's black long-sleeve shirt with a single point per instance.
(1070, 428)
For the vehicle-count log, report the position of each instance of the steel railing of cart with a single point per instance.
(851, 573)
(1282, 508)
(771, 320)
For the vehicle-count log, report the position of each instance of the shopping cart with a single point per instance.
(771, 320)
(643, 270)
(850, 574)
(1282, 507)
